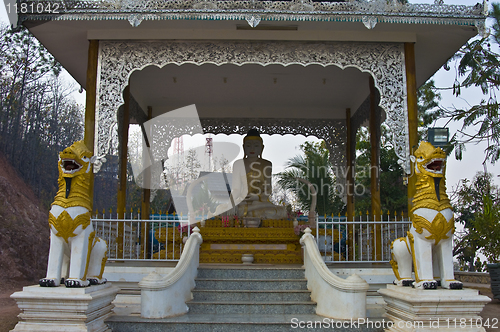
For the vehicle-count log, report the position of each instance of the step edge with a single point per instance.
(252, 268)
(252, 303)
(241, 279)
(290, 291)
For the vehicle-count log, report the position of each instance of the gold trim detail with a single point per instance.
(259, 258)
(438, 228)
(394, 266)
(253, 235)
(393, 262)
(92, 243)
(65, 225)
(411, 239)
(103, 264)
(266, 223)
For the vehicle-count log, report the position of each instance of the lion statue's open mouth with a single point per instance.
(436, 165)
(70, 166)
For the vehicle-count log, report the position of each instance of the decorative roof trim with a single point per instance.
(254, 11)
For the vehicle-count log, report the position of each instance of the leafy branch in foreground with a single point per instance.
(479, 66)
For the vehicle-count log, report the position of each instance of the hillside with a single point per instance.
(24, 229)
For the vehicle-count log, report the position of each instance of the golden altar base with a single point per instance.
(269, 245)
(275, 242)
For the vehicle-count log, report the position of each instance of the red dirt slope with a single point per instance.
(24, 229)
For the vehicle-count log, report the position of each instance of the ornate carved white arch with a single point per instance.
(384, 61)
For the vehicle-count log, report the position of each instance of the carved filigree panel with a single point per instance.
(384, 61)
(333, 132)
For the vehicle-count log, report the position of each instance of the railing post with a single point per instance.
(377, 237)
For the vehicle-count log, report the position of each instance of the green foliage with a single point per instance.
(315, 167)
(479, 67)
(428, 106)
(393, 193)
(476, 205)
(487, 224)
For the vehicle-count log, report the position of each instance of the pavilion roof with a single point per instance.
(368, 12)
(439, 30)
(183, 41)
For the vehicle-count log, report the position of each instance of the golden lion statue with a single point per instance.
(429, 241)
(73, 244)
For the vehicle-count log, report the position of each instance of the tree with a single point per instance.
(487, 224)
(479, 66)
(316, 168)
(192, 165)
(428, 106)
(38, 119)
(393, 192)
(476, 205)
(282, 197)
(223, 165)
(174, 174)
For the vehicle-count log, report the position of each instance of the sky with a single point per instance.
(274, 145)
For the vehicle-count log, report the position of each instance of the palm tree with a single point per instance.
(314, 167)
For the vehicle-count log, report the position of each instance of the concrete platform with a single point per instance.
(239, 322)
(422, 310)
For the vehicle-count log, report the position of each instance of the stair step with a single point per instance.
(250, 273)
(248, 307)
(251, 284)
(234, 322)
(251, 295)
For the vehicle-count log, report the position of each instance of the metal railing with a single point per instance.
(359, 240)
(157, 239)
(161, 237)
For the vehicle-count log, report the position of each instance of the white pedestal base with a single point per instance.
(433, 310)
(54, 309)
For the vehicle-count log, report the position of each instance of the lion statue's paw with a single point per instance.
(97, 280)
(404, 282)
(452, 284)
(75, 283)
(426, 284)
(49, 282)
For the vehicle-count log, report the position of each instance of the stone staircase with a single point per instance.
(246, 291)
(241, 298)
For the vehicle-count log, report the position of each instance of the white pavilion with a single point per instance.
(297, 67)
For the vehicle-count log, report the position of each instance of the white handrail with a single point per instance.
(166, 296)
(335, 297)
